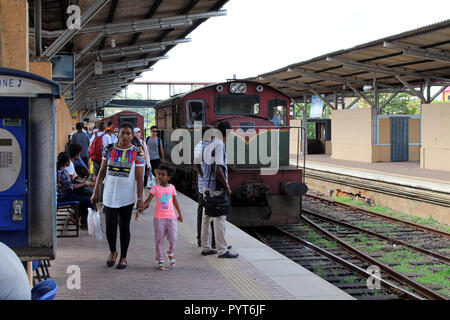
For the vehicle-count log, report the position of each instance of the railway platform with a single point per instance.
(402, 186)
(259, 273)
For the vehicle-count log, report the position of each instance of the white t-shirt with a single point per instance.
(120, 182)
(71, 170)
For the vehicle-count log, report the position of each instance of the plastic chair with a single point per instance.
(45, 290)
(64, 212)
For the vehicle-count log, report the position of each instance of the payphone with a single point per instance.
(13, 183)
(27, 163)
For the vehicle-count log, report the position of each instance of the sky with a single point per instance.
(258, 36)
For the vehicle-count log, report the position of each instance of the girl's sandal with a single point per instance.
(171, 258)
(160, 265)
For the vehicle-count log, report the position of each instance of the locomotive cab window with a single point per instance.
(195, 111)
(277, 110)
(236, 104)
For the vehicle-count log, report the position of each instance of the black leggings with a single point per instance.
(118, 216)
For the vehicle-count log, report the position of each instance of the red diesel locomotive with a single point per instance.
(259, 116)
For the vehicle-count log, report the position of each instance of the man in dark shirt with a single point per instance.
(82, 139)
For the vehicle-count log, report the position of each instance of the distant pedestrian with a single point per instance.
(115, 135)
(165, 220)
(80, 137)
(99, 142)
(143, 145)
(123, 166)
(155, 149)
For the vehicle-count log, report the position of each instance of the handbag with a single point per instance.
(217, 205)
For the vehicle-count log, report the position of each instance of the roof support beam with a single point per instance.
(437, 55)
(438, 93)
(389, 100)
(297, 87)
(117, 52)
(381, 69)
(361, 95)
(131, 64)
(89, 46)
(38, 27)
(411, 89)
(140, 25)
(68, 34)
(353, 102)
(328, 77)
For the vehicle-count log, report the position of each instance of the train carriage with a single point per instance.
(125, 116)
(266, 188)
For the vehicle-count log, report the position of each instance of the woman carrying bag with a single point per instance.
(123, 166)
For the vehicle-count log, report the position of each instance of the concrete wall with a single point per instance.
(295, 137)
(435, 150)
(14, 34)
(351, 134)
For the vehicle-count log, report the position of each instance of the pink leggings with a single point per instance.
(165, 228)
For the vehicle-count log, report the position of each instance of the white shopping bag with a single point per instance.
(90, 221)
(94, 224)
(151, 181)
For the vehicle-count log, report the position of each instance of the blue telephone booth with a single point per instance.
(27, 163)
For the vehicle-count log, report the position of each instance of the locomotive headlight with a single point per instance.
(238, 88)
(260, 88)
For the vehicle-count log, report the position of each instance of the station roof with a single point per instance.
(400, 62)
(127, 36)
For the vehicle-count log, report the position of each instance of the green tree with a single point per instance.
(402, 103)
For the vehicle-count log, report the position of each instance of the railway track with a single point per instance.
(356, 273)
(427, 240)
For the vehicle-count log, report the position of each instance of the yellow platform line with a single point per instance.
(247, 287)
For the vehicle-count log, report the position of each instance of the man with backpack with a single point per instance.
(99, 143)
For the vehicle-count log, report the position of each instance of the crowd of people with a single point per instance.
(108, 170)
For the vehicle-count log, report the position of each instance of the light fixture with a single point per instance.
(367, 88)
(238, 87)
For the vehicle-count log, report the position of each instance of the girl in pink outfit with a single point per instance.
(165, 220)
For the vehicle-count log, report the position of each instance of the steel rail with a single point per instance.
(436, 255)
(385, 284)
(412, 224)
(424, 291)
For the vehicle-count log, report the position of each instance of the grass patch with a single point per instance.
(429, 222)
(401, 256)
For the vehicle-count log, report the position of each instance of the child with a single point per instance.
(165, 221)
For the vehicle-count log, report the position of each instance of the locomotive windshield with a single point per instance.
(236, 104)
(277, 112)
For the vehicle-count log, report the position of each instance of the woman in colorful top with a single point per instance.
(66, 188)
(165, 221)
(123, 167)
